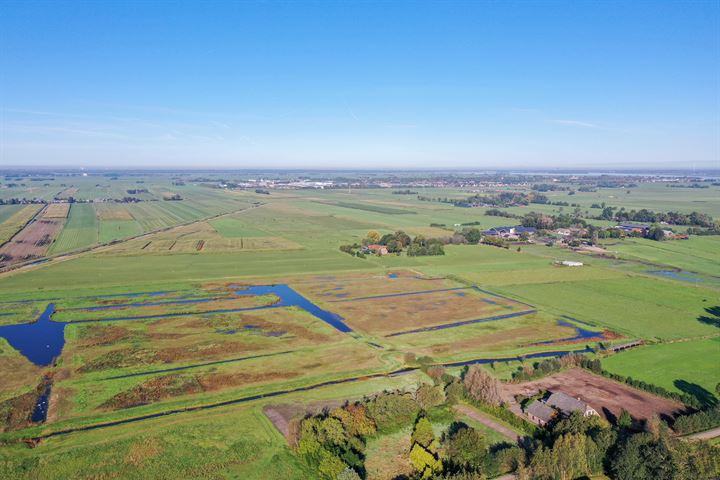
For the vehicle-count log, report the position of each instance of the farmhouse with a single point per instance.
(540, 413)
(510, 232)
(633, 228)
(378, 249)
(567, 404)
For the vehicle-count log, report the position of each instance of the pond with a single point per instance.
(43, 340)
(40, 341)
(580, 334)
(681, 275)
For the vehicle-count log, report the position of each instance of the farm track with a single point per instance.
(8, 270)
(488, 421)
(706, 435)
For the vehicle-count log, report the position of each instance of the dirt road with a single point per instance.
(706, 435)
(488, 422)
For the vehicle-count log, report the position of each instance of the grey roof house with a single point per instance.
(567, 404)
(540, 413)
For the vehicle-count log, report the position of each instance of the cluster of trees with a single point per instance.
(173, 197)
(550, 187)
(578, 446)
(135, 191)
(404, 192)
(495, 241)
(694, 185)
(504, 199)
(394, 242)
(699, 421)
(545, 367)
(421, 246)
(125, 200)
(542, 221)
(398, 241)
(334, 443)
(353, 249)
(672, 218)
(496, 212)
(543, 200)
(21, 201)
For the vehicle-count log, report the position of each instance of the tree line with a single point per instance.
(334, 443)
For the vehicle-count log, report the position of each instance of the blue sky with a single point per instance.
(365, 84)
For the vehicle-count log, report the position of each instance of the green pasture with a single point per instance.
(230, 227)
(80, 230)
(668, 365)
(637, 306)
(698, 254)
(118, 229)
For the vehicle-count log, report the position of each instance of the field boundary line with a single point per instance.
(61, 257)
(24, 226)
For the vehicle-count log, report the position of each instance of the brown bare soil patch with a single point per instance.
(32, 242)
(604, 395)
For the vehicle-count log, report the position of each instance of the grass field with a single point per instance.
(699, 254)
(234, 228)
(81, 229)
(670, 365)
(640, 306)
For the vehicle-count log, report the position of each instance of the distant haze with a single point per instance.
(473, 85)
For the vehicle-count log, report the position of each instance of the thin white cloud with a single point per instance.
(576, 123)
